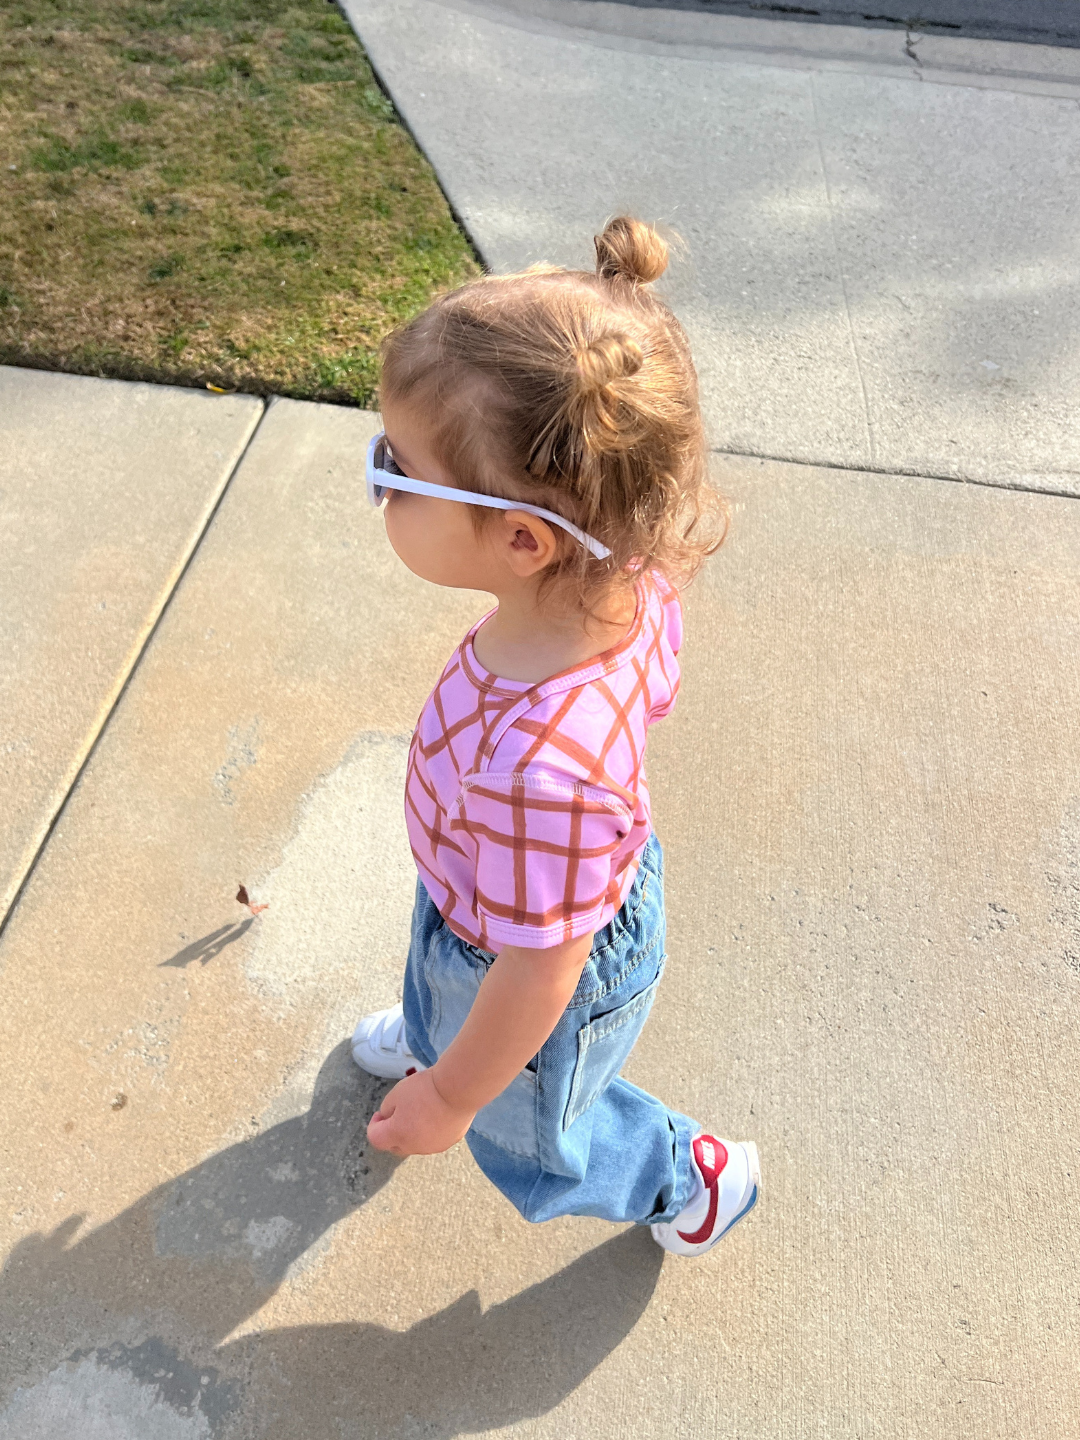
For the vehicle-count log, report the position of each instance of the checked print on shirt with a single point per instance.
(527, 805)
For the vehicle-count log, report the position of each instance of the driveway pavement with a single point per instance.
(883, 259)
(1045, 22)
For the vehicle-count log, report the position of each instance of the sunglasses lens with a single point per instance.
(376, 461)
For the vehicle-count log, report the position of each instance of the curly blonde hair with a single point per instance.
(577, 392)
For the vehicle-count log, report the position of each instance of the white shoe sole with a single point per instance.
(382, 1069)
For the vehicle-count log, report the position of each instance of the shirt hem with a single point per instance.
(533, 937)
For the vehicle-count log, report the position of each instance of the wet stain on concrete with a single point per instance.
(266, 1202)
(123, 1392)
(336, 934)
(188, 1389)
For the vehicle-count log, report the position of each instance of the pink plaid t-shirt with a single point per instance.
(527, 805)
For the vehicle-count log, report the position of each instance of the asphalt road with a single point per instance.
(1045, 22)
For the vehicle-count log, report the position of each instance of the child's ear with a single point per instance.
(528, 543)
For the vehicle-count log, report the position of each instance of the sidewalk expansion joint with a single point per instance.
(110, 708)
(1022, 486)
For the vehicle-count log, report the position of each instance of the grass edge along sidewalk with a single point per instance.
(209, 191)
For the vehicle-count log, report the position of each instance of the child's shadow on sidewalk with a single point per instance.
(147, 1301)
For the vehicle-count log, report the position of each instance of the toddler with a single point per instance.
(559, 410)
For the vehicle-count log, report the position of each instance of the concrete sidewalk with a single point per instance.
(883, 233)
(870, 798)
(105, 490)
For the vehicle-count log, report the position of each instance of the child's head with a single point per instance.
(572, 391)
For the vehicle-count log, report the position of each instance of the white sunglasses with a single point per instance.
(380, 481)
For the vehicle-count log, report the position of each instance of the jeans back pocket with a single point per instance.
(602, 1048)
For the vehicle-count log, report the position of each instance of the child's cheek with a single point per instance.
(401, 530)
(415, 540)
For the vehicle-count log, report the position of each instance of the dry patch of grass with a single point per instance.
(208, 190)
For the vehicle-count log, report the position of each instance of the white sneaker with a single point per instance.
(379, 1045)
(728, 1176)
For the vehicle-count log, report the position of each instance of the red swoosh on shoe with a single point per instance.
(710, 1220)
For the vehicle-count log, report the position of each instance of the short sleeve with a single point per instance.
(663, 667)
(545, 846)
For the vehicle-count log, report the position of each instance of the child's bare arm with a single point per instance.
(518, 1006)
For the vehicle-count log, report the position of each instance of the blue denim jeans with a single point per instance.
(567, 1136)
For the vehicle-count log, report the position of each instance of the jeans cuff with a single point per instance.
(683, 1130)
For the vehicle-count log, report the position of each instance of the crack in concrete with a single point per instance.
(900, 474)
(840, 271)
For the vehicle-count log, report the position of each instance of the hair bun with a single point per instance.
(630, 250)
(605, 360)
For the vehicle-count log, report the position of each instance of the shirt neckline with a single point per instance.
(582, 672)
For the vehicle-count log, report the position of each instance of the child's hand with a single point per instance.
(414, 1119)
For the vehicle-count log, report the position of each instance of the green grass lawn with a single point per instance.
(215, 191)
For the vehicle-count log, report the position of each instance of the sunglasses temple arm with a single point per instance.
(489, 502)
